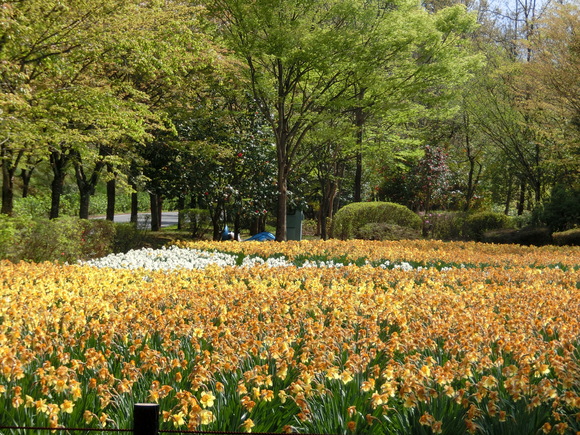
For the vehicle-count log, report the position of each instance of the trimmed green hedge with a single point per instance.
(383, 231)
(477, 224)
(348, 221)
(529, 236)
(65, 239)
(570, 237)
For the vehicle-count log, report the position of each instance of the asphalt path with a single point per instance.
(168, 218)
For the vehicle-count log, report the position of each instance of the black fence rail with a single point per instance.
(145, 422)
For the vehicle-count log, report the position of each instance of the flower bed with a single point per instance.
(409, 337)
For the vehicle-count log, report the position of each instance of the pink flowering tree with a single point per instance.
(430, 183)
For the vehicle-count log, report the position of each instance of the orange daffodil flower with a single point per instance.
(502, 328)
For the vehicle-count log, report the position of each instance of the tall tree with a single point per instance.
(302, 59)
(35, 34)
(296, 54)
(553, 75)
(51, 55)
(88, 81)
(170, 56)
(155, 54)
(504, 117)
(410, 73)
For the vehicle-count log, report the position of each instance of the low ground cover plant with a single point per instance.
(341, 337)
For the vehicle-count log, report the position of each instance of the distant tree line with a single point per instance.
(252, 109)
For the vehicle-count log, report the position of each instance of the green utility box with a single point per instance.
(294, 220)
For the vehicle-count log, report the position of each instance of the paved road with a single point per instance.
(168, 218)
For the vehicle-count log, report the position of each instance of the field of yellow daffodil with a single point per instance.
(333, 337)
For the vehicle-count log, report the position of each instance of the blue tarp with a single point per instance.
(262, 237)
(226, 234)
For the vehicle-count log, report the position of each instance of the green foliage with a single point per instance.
(570, 237)
(66, 239)
(349, 219)
(384, 231)
(395, 185)
(38, 206)
(32, 206)
(197, 221)
(308, 60)
(523, 220)
(7, 232)
(445, 225)
(429, 180)
(128, 236)
(530, 236)
(479, 223)
(562, 211)
(421, 185)
(96, 237)
(309, 227)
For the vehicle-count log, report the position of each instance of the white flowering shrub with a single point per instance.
(183, 258)
(164, 259)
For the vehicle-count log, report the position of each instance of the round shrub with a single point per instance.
(383, 231)
(479, 223)
(350, 218)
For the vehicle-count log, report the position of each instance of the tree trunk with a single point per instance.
(323, 218)
(7, 191)
(325, 234)
(86, 184)
(473, 181)
(540, 172)
(56, 186)
(25, 176)
(254, 226)
(283, 145)
(9, 163)
(216, 223)
(329, 187)
(473, 177)
(358, 179)
(58, 162)
(180, 208)
(508, 198)
(134, 206)
(84, 203)
(237, 228)
(522, 198)
(159, 209)
(155, 201)
(281, 218)
(111, 194)
(134, 173)
(359, 121)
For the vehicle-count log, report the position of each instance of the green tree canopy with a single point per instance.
(306, 58)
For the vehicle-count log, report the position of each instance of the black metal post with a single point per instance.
(146, 419)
